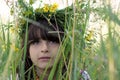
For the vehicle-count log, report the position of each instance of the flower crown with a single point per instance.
(26, 14)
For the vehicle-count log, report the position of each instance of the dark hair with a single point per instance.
(42, 30)
(45, 31)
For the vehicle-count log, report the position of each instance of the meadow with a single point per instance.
(92, 37)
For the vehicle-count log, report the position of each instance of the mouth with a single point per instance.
(44, 58)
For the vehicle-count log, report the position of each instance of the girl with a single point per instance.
(43, 45)
(42, 40)
(44, 37)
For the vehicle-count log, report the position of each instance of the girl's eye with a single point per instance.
(52, 42)
(35, 42)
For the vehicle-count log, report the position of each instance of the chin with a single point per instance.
(45, 66)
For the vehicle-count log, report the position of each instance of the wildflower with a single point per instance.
(46, 8)
(14, 48)
(12, 29)
(53, 7)
(89, 36)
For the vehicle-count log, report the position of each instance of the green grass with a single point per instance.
(100, 60)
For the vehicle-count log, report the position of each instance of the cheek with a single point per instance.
(54, 54)
(55, 50)
(32, 53)
(32, 50)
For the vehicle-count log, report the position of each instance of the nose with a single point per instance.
(44, 48)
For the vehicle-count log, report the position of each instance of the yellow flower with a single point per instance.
(89, 36)
(53, 7)
(46, 8)
(12, 29)
(14, 48)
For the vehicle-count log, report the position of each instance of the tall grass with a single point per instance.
(101, 61)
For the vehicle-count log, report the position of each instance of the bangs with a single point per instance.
(36, 33)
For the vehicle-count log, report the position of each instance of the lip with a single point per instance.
(45, 58)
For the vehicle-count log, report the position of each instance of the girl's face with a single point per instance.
(43, 53)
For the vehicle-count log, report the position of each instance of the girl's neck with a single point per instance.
(42, 72)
